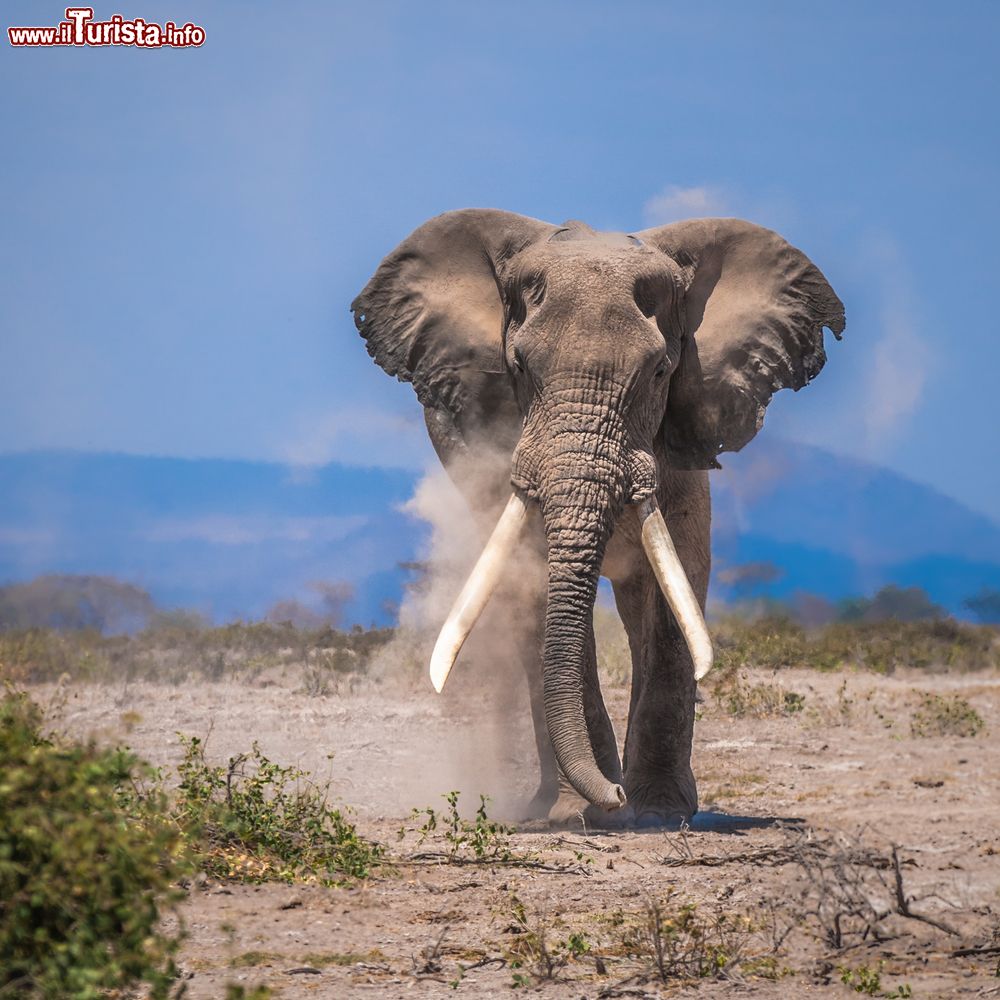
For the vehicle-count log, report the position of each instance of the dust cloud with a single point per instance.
(482, 742)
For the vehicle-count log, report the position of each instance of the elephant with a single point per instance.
(607, 371)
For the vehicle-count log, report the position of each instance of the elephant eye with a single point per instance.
(518, 360)
(661, 369)
(515, 312)
(649, 293)
(534, 289)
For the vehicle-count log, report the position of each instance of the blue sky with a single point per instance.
(183, 230)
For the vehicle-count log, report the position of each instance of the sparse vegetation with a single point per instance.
(536, 953)
(668, 939)
(480, 839)
(236, 991)
(679, 941)
(256, 821)
(92, 844)
(945, 715)
(250, 959)
(775, 643)
(741, 698)
(247, 819)
(177, 648)
(868, 982)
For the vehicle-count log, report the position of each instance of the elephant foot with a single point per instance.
(652, 820)
(570, 810)
(663, 804)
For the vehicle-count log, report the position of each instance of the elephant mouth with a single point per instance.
(488, 571)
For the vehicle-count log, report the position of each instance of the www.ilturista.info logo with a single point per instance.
(80, 28)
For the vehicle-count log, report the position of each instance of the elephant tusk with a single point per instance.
(477, 591)
(676, 587)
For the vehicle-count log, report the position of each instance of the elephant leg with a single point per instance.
(659, 781)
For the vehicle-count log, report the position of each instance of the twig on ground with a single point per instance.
(588, 845)
(431, 955)
(483, 963)
(764, 855)
(986, 949)
(443, 858)
(903, 901)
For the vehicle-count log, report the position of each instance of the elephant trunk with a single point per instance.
(579, 511)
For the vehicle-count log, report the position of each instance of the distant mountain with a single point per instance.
(227, 538)
(230, 538)
(837, 526)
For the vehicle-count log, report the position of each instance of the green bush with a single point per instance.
(81, 882)
(256, 821)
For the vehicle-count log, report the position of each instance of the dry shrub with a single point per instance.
(679, 940)
(943, 715)
(773, 643)
(850, 891)
(742, 699)
(36, 655)
(177, 648)
(537, 953)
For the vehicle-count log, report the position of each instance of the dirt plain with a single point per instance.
(809, 797)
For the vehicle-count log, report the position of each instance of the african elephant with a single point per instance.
(608, 371)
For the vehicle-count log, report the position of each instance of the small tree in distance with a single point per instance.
(72, 602)
(891, 603)
(747, 578)
(984, 605)
(325, 609)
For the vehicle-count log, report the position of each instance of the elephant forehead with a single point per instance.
(616, 261)
(579, 232)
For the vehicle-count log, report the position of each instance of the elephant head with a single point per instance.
(600, 357)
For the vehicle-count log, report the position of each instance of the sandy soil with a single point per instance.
(846, 763)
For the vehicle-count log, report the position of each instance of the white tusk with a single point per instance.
(676, 587)
(477, 591)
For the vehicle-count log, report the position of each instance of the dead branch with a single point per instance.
(986, 949)
(443, 858)
(903, 901)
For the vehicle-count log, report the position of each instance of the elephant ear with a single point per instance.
(432, 314)
(754, 313)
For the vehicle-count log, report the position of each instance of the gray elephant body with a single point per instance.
(593, 373)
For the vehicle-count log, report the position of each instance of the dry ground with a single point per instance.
(846, 762)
